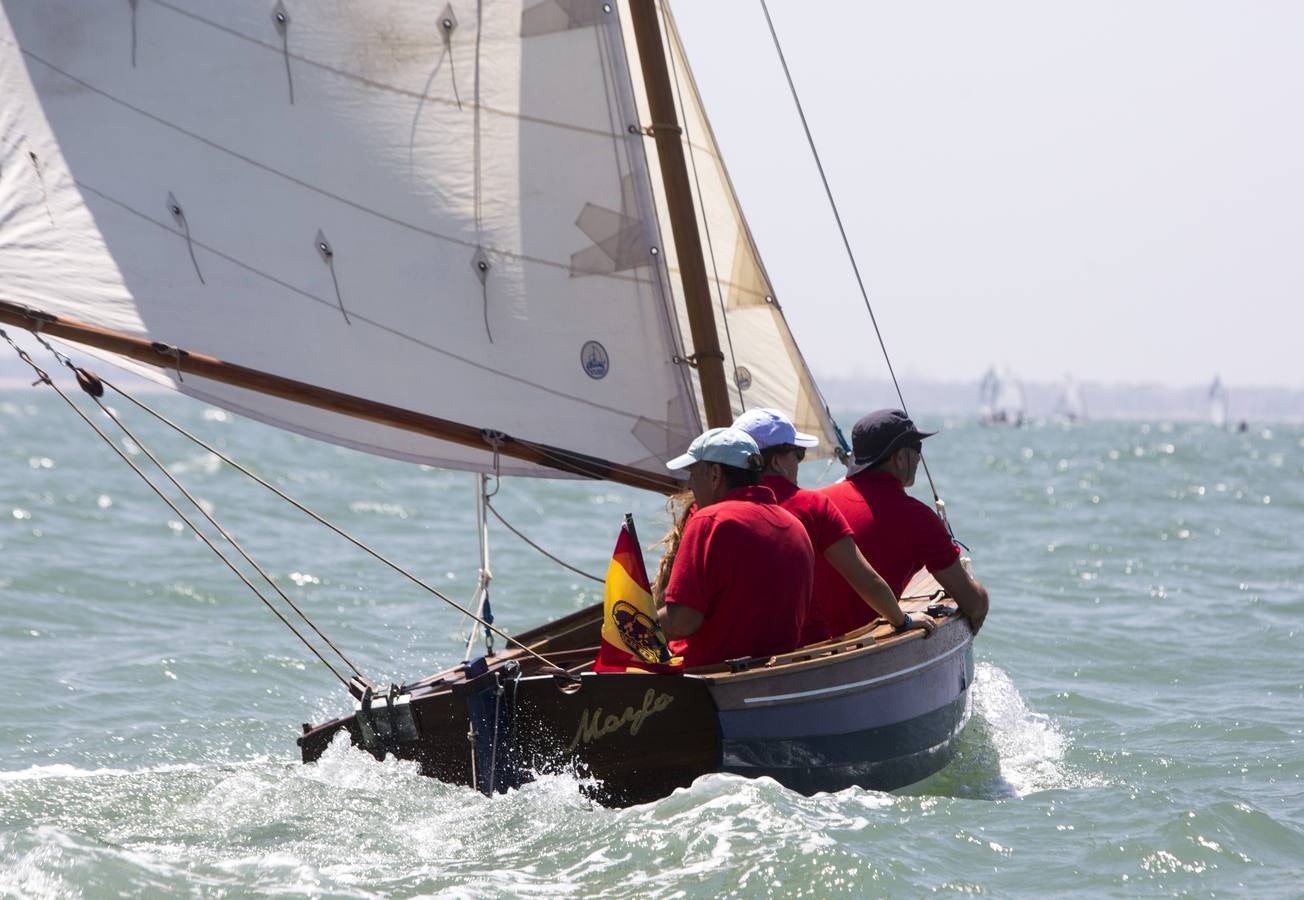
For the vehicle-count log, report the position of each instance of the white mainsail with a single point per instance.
(438, 207)
(1072, 404)
(1000, 396)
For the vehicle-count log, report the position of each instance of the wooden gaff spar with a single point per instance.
(476, 279)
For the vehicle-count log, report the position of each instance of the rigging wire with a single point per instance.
(565, 565)
(44, 378)
(846, 243)
(299, 506)
(204, 512)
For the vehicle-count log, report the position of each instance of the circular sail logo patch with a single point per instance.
(743, 377)
(594, 359)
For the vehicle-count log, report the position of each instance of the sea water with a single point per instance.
(1138, 721)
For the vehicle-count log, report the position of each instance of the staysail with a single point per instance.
(449, 209)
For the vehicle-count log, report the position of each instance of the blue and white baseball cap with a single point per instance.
(726, 446)
(770, 428)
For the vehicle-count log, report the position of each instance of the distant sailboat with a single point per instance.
(1000, 398)
(1072, 405)
(1218, 403)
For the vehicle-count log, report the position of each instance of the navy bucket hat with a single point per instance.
(880, 434)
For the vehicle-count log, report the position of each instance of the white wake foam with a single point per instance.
(1030, 746)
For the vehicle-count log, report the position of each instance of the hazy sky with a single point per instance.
(1112, 189)
(1108, 188)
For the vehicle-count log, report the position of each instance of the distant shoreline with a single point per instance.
(1103, 401)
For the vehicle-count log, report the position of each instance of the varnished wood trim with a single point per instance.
(192, 363)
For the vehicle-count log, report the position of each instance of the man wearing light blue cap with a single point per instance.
(741, 581)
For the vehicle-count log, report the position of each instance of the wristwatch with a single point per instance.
(904, 626)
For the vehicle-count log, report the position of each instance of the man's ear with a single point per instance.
(717, 476)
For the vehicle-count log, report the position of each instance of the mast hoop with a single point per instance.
(693, 359)
(657, 129)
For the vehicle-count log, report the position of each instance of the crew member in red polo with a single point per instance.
(897, 534)
(783, 447)
(741, 581)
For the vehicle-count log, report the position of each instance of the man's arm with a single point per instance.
(968, 594)
(679, 621)
(844, 556)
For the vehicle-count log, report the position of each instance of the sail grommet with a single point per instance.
(179, 216)
(281, 20)
(327, 254)
(481, 266)
(655, 251)
(448, 21)
(40, 176)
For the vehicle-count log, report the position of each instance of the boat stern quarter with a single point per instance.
(880, 717)
(639, 736)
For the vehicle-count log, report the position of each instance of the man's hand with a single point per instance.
(917, 622)
(968, 594)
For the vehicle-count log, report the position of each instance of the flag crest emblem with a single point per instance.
(632, 639)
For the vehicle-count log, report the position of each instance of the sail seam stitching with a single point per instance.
(353, 204)
(380, 85)
(373, 323)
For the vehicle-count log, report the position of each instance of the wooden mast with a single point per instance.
(187, 363)
(683, 216)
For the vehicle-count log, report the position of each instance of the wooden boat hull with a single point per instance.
(876, 710)
(879, 718)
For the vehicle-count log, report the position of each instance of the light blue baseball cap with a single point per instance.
(726, 446)
(770, 428)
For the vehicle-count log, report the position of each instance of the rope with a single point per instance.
(562, 563)
(314, 516)
(846, 243)
(205, 513)
(43, 377)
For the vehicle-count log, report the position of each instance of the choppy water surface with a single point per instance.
(1139, 722)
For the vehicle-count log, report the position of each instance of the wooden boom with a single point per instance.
(164, 356)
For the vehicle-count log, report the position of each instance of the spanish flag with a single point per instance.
(632, 640)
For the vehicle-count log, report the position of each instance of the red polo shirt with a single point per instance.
(745, 564)
(897, 534)
(825, 526)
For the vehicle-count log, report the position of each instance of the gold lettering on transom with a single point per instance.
(595, 726)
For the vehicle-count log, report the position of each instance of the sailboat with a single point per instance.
(489, 236)
(1000, 397)
(1072, 404)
